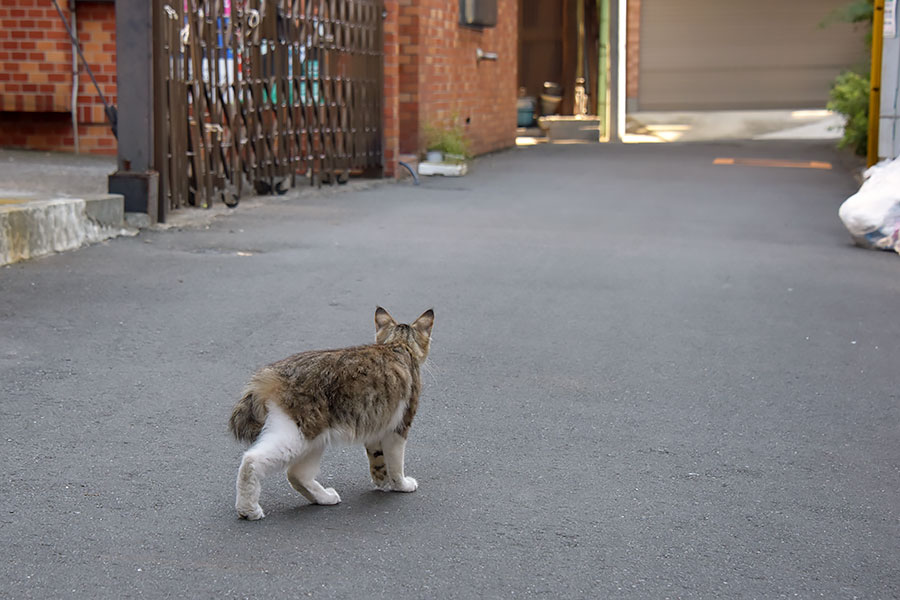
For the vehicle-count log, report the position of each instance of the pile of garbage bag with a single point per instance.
(872, 215)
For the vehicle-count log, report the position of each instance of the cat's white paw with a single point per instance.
(330, 497)
(252, 513)
(407, 484)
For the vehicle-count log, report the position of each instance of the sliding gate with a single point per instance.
(264, 93)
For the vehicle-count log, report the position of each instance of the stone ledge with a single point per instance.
(32, 228)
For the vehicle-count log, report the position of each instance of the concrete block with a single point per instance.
(40, 227)
(108, 209)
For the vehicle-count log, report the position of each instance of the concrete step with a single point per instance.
(560, 128)
(32, 227)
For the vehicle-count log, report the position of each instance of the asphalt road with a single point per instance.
(651, 377)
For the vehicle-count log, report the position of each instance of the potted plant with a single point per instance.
(447, 150)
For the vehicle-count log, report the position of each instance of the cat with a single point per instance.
(293, 409)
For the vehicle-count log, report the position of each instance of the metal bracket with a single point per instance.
(482, 55)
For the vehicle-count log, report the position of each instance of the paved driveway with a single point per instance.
(651, 377)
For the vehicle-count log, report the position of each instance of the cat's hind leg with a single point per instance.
(279, 443)
(394, 447)
(302, 476)
(377, 468)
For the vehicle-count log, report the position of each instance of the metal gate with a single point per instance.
(262, 93)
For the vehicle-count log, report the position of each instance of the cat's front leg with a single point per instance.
(377, 468)
(394, 447)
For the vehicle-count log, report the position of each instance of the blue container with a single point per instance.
(525, 108)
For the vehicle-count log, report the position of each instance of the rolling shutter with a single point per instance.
(749, 54)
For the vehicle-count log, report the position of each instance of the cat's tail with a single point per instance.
(249, 414)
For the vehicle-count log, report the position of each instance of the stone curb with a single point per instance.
(40, 227)
(34, 228)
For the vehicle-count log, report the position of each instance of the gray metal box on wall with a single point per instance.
(478, 13)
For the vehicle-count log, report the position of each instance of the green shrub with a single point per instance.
(850, 97)
(850, 91)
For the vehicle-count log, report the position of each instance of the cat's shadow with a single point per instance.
(363, 502)
(374, 498)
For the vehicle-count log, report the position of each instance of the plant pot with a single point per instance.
(442, 168)
(434, 156)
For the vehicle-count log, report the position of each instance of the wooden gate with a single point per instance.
(262, 93)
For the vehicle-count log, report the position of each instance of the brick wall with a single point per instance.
(440, 79)
(431, 76)
(632, 50)
(409, 76)
(391, 124)
(36, 76)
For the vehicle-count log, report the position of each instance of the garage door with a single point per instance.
(742, 54)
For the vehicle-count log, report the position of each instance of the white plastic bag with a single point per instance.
(872, 215)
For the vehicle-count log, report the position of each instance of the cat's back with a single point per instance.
(343, 366)
(358, 391)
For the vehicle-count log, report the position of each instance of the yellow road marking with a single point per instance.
(765, 162)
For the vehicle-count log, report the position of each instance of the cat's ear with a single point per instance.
(383, 319)
(425, 322)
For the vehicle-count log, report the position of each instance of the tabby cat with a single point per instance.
(293, 409)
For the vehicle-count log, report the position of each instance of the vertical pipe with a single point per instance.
(875, 77)
(579, 50)
(160, 21)
(74, 75)
(136, 177)
(616, 55)
(603, 69)
(618, 105)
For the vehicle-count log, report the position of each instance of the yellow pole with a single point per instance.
(875, 77)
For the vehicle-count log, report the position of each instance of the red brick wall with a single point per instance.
(440, 79)
(391, 126)
(482, 94)
(36, 76)
(409, 76)
(632, 49)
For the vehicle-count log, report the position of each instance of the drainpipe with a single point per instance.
(875, 78)
(74, 74)
(136, 178)
(603, 69)
(617, 11)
